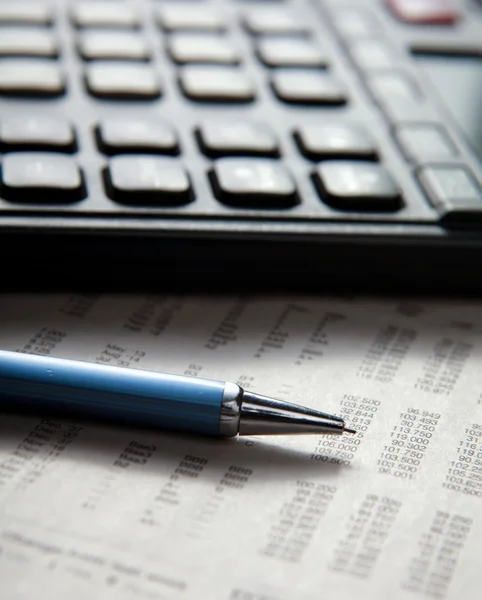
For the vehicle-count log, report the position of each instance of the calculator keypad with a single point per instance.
(284, 112)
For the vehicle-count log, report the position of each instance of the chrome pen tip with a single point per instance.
(346, 430)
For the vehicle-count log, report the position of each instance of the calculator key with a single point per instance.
(422, 143)
(424, 12)
(23, 13)
(41, 178)
(290, 52)
(108, 13)
(236, 137)
(354, 22)
(190, 16)
(28, 41)
(98, 44)
(274, 20)
(308, 87)
(397, 94)
(30, 77)
(36, 133)
(120, 136)
(371, 54)
(253, 183)
(202, 48)
(332, 141)
(357, 186)
(122, 81)
(216, 84)
(147, 181)
(453, 191)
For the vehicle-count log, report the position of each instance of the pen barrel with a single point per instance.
(89, 390)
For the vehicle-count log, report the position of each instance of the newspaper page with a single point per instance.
(89, 510)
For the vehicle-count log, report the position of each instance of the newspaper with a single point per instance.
(95, 510)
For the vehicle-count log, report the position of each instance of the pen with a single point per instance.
(141, 397)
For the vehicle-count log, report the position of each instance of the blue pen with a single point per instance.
(148, 398)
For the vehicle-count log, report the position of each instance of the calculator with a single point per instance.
(317, 144)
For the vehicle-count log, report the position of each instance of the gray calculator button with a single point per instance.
(453, 191)
(32, 13)
(28, 41)
(41, 178)
(425, 142)
(108, 13)
(308, 87)
(122, 80)
(332, 141)
(190, 16)
(116, 136)
(290, 52)
(147, 181)
(36, 133)
(202, 48)
(354, 22)
(237, 137)
(31, 77)
(397, 94)
(278, 20)
(393, 86)
(98, 44)
(370, 54)
(253, 183)
(357, 186)
(216, 84)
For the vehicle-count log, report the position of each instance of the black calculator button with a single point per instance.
(122, 80)
(274, 20)
(332, 141)
(31, 77)
(107, 13)
(216, 84)
(357, 186)
(253, 183)
(102, 44)
(425, 142)
(29, 12)
(236, 137)
(424, 12)
(36, 133)
(290, 52)
(190, 16)
(453, 191)
(28, 41)
(308, 87)
(33, 178)
(147, 181)
(118, 136)
(202, 48)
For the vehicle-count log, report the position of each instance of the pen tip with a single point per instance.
(349, 430)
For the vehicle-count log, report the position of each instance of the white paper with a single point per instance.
(104, 512)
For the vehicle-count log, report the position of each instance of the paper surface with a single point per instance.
(95, 511)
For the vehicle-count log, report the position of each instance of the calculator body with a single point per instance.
(303, 144)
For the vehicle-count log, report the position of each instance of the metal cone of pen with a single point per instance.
(149, 398)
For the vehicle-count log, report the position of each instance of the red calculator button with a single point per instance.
(424, 12)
